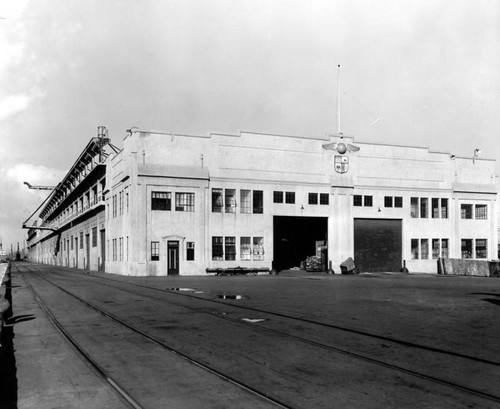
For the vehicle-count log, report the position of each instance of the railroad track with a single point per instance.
(135, 289)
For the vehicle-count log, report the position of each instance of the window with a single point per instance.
(114, 206)
(217, 201)
(155, 250)
(414, 249)
(245, 248)
(94, 236)
(398, 201)
(190, 251)
(444, 208)
(245, 201)
(444, 248)
(230, 196)
(481, 248)
(435, 248)
(368, 201)
(466, 211)
(258, 201)
(435, 208)
(388, 201)
(290, 197)
(120, 201)
(121, 249)
(424, 249)
(414, 207)
(126, 250)
(357, 200)
(161, 200)
(313, 198)
(277, 197)
(127, 203)
(481, 212)
(466, 248)
(217, 250)
(324, 198)
(230, 248)
(114, 250)
(81, 240)
(258, 248)
(424, 208)
(71, 242)
(184, 202)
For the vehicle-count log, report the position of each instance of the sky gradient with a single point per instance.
(420, 73)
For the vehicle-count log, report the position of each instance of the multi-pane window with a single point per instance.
(388, 201)
(155, 250)
(424, 207)
(466, 246)
(444, 208)
(258, 201)
(435, 208)
(230, 248)
(357, 200)
(435, 248)
(414, 249)
(245, 201)
(414, 207)
(290, 197)
(114, 250)
(245, 248)
(398, 201)
(217, 201)
(368, 201)
(127, 201)
(120, 202)
(258, 248)
(313, 198)
(184, 202)
(121, 248)
(444, 248)
(277, 197)
(81, 240)
(424, 249)
(466, 211)
(230, 197)
(481, 248)
(324, 199)
(94, 236)
(71, 242)
(481, 212)
(190, 250)
(161, 200)
(217, 248)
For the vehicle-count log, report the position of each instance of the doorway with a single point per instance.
(173, 257)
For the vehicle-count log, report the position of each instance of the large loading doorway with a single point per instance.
(377, 245)
(296, 238)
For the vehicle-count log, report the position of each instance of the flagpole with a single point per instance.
(338, 101)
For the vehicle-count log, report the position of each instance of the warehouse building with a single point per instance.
(179, 204)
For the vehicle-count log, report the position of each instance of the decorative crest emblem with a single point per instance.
(341, 164)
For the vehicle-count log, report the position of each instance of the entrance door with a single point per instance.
(87, 245)
(173, 257)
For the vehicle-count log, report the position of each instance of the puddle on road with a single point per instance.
(253, 320)
(231, 297)
(190, 290)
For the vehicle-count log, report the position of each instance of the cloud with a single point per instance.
(13, 105)
(35, 174)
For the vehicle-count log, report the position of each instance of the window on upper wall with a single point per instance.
(161, 200)
(368, 201)
(94, 236)
(424, 207)
(190, 250)
(184, 202)
(481, 248)
(466, 247)
(155, 250)
(277, 197)
(81, 240)
(414, 249)
(258, 201)
(466, 211)
(324, 199)
(481, 212)
(414, 207)
(290, 197)
(230, 197)
(388, 201)
(357, 200)
(217, 201)
(435, 208)
(245, 248)
(245, 201)
(398, 201)
(217, 248)
(313, 199)
(230, 248)
(444, 208)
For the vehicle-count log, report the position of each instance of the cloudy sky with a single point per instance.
(422, 73)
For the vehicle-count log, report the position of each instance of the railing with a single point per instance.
(92, 204)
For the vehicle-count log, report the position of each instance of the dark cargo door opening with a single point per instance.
(173, 257)
(295, 239)
(377, 245)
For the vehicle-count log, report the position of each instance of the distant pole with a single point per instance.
(338, 100)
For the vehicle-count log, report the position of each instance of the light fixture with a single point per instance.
(477, 152)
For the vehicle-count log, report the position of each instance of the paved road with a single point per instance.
(294, 340)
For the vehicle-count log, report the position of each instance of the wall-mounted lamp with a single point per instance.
(452, 157)
(302, 207)
(379, 209)
(477, 152)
